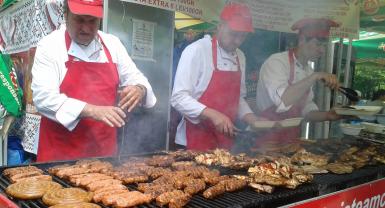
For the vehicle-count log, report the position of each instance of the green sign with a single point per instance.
(6, 3)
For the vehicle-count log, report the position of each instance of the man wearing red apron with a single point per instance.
(76, 76)
(209, 87)
(285, 83)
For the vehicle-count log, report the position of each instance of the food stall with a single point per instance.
(291, 176)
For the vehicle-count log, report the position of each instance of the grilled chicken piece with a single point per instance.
(234, 184)
(9, 172)
(339, 168)
(179, 198)
(260, 188)
(194, 186)
(214, 191)
(303, 157)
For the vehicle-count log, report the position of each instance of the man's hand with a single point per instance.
(221, 122)
(110, 115)
(330, 80)
(131, 96)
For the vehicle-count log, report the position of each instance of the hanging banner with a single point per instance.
(274, 15)
(278, 15)
(23, 24)
(207, 10)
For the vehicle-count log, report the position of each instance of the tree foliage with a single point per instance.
(369, 78)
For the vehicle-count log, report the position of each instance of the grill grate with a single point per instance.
(246, 198)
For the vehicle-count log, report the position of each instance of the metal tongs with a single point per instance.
(351, 94)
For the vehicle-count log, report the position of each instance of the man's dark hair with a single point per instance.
(65, 6)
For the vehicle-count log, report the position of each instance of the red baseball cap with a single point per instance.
(238, 17)
(314, 27)
(86, 7)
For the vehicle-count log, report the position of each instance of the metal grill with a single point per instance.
(322, 184)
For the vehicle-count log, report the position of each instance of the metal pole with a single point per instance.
(338, 67)
(105, 19)
(347, 67)
(329, 69)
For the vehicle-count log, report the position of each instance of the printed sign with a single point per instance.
(143, 40)
(369, 195)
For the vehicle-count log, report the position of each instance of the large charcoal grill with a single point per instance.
(245, 198)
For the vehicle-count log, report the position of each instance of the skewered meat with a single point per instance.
(214, 191)
(155, 190)
(194, 186)
(100, 195)
(160, 160)
(109, 188)
(89, 178)
(174, 199)
(182, 165)
(233, 184)
(38, 177)
(9, 172)
(128, 199)
(102, 183)
(184, 154)
(14, 178)
(157, 172)
(69, 171)
(53, 170)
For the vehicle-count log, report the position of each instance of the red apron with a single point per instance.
(222, 94)
(94, 83)
(285, 135)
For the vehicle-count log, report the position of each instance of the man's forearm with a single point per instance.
(296, 91)
(318, 116)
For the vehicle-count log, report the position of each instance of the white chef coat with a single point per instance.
(273, 81)
(49, 70)
(192, 78)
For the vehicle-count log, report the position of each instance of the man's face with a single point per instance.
(315, 47)
(228, 39)
(82, 28)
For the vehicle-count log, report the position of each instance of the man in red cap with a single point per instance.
(285, 83)
(76, 75)
(209, 87)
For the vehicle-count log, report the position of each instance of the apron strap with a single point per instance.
(68, 45)
(215, 58)
(292, 69)
(291, 78)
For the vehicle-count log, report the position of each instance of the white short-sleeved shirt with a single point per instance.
(273, 81)
(192, 78)
(49, 70)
